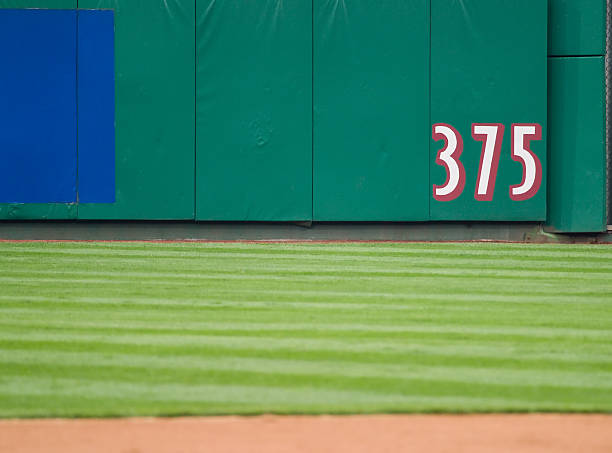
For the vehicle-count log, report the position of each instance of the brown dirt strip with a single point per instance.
(286, 241)
(256, 241)
(321, 434)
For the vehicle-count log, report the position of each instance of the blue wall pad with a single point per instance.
(96, 101)
(38, 150)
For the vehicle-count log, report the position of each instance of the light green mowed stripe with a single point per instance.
(205, 257)
(250, 399)
(418, 316)
(94, 329)
(332, 299)
(603, 336)
(448, 351)
(525, 377)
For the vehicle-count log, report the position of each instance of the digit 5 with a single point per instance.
(522, 135)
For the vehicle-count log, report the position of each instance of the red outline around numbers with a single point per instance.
(455, 155)
(488, 196)
(538, 176)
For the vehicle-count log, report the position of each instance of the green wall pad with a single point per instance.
(577, 27)
(254, 110)
(38, 211)
(371, 110)
(51, 211)
(155, 124)
(576, 192)
(488, 65)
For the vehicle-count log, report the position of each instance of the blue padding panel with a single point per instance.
(96, 99)
(38, 154)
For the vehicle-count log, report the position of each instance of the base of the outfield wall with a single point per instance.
(231, 231)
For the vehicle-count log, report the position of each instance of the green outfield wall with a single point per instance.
(253, 158)
(322, 110)
(488, 64)
(371, 110)
(577, 116)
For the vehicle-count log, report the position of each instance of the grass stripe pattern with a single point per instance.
(125, 329)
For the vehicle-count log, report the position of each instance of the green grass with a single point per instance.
(107, 329)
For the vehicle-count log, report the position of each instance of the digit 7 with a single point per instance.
(448, 157)
(492, 136)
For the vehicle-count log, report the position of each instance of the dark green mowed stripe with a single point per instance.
(100, 329)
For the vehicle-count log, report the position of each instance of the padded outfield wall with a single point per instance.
(329, 110)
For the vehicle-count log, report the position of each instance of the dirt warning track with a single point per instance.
(292, 434)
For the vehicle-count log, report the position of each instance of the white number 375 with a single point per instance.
(491, 135)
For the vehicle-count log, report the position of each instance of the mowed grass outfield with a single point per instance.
(120, 329)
